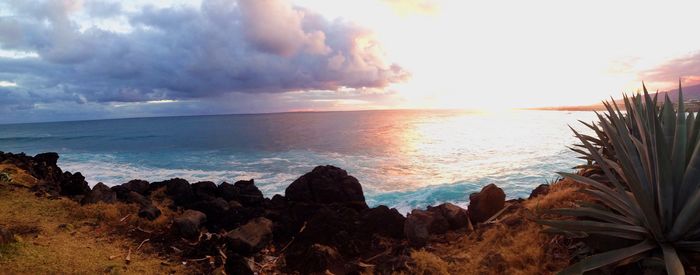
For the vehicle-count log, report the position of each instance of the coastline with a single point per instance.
(300, 231)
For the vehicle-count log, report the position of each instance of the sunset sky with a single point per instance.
(68, 60)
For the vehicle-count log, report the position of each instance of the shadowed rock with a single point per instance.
(456, 217)
(100, 193)
(248, 193)
(204, 190)
(237, 264)
(226, 191)
(384, 221)
(74, 184)
(486, 203)
(215, 209)
(188, 224)
(251, 237)
(133, 197)
(420, 224)
(138, 186)
(327, 185)
(541, 190)
(180, 190)
(149, 212)
(317, 259)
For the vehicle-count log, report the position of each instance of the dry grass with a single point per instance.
(60, 236)
(18, 176)
(427, 263)
(512, 245)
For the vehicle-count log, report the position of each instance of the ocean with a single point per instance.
(404, 159)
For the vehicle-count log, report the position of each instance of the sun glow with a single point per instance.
(516, 54)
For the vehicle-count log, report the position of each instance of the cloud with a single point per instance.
(405, 7)
(183, 53)
(686, 67)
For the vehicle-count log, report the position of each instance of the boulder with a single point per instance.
(384, 221)
(251, 237)
(188, 224)
(204, 190)
(74, 184)
(541, 190)
(248, 193)
(45, 168)
(149, 212)
(48, 159)
(215, 208)
(327, 185)
(100, 193)
(234, 205)
(317, 259)
(456, 216)
(226, 191)
(237, 265)
(338, 227)
(180, 190)
(133, 197)
(420, 224)
(138, 186)
(486, 203)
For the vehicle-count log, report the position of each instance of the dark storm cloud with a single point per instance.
(245, 47)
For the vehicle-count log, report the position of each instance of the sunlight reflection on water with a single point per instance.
(403, 158)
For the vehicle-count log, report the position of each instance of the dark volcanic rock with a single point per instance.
(100, 193)
(251, 237)
(327, 185)
(456, 216)
(226, 191)
(420, 224)
(149, 212)
(384, 221)
(45, 168)
(187, 225)
(204, 190)
(337, 227)
(542, 189)
(133, 197)
(138, 186)
(486, 203)
(180, 190)
(237, 265)
(317, 259)
(215, 209)
(74, 184)
(248, 193)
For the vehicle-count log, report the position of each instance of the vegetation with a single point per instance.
(57, 236)
(645, 184)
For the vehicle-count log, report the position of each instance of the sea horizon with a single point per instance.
(403, 158)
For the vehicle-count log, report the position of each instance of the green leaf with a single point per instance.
(606, 258)
(673, 263)
(593, 213)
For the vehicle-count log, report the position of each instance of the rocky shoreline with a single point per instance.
(321, 223)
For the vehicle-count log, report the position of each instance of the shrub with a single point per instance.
(650, 159)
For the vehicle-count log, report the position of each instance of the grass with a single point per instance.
(58, 236)
(512, 245)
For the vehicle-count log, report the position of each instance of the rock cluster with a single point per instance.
(321, 223)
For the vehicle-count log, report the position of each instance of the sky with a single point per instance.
(94, 59)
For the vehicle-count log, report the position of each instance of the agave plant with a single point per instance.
(650, 159)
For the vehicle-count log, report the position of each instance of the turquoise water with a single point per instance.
(403, 159)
